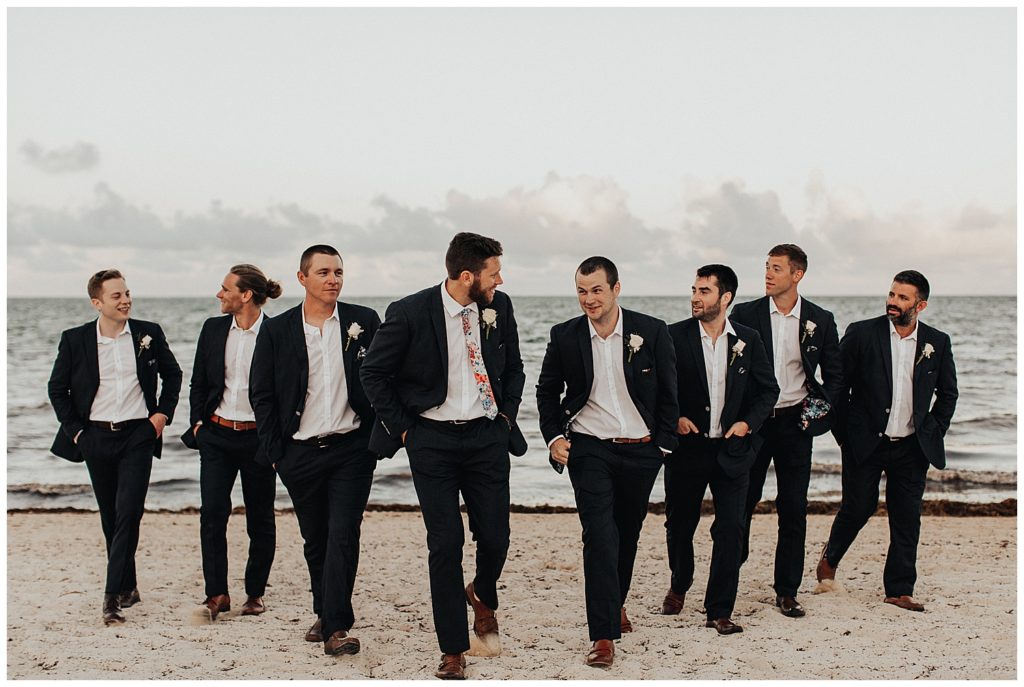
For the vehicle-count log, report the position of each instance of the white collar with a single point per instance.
(106, 339)
(728, 329)
(913, 334)
(452, 306)
(795, 312)
(310, 328)
(255, 328)
(616, 331)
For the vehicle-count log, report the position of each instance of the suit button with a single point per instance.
(886, 411)
(298, 412)
(705, 435)
(567, 412)
(707, 408)
(880, 435)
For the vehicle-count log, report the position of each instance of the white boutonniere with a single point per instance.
(809, 328)
(353, 332)
(737, 350)
(635, 342)
(926, 352)
(144, 343)
(489, 317)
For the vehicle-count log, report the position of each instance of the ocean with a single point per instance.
(981, 446)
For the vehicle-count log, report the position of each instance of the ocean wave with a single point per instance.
(14, 411)
(948, 477)
(36, 489)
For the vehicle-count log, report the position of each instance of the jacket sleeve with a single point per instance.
(199, 385)
(849, 355)
(945, 388)
(59, 390)
(515, 375)
(667, 419)
(766, 390)
(383, 360)
(263, 396)
(831, 362)
(550, 386)
(170, 377)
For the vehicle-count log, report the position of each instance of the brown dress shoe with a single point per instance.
(724, 626)
(253, 606)
(825, 570)
(453, 667)
(625, 625)
(484, 622)
(340, 643)
(112, 610)
(905, 602)
(314, 634)
(790, 607)
(215, 605)
(601, 654)
(673, 603)
(129, 598)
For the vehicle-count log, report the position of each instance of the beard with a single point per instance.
(709, 312)
(905, 318)
(482, 297)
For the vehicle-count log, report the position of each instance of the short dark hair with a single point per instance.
(797, 256)
(251, 278)
(319, 249)
(915, 279)
(724, 275)
(468, 252)
(597, 262)
(95, 285)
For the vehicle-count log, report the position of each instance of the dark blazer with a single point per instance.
(75, 379)
(820, 348)
(406, 368)
(867, 373)
(280, 372)
(650, 376)
(750, 393)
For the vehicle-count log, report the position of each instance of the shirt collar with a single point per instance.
(104, 339)
(913, 334)
(452, 306)
(795, 312)
(728, 329)
(616, 331)
(311, 329)
(255, 328)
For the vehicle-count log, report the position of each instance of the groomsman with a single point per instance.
(446, 379)
(893, 368)
(223, 429)
(726, 390)
(799, 337)
(313, 422)
(103, 389)
(607, 402)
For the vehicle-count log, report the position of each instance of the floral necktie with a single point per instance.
(476, 361)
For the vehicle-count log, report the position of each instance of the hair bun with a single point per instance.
(273, 288)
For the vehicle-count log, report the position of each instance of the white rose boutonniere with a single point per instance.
(926, 352)
(737, 350)
(489, 317)
(635, 342)
(809, 328)
(144, 343)
(353, 332)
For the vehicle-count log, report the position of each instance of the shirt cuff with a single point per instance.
(664, 451)
(554, 440)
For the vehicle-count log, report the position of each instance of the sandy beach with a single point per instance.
(966, 567)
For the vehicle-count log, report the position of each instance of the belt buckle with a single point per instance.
(321, 440)
(459, 422)
(113, 426)
(234, 425)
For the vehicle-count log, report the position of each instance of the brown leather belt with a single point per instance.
(233, 424)
(642, 440)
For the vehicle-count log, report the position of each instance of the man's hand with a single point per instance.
(77, 435)
(403, 436)
(686, 426)
(195, 430)
(159, 421)
(740, 429)
(560, 450)
(507, 421)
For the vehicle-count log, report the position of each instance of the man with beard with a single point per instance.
(726, 390)
(893, 366)
(606, 396)
(446, 379)
(798, 337)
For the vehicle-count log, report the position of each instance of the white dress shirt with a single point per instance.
(716, 362)
(327, 408)
(234, 404)
(901, 412)
(119, 396)
(789, 366)
(462, 401)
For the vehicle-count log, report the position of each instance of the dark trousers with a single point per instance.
(613, 485)
(223, 454)
(687, 476)
(790, 448)
(905, 469)
(329, 488)
(471, 459)
(119, 465)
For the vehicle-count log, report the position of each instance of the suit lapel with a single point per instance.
(137, 349)
(731, 367)
(697, 349)
(347, 357)
(216, 364)
(885, 343)
(919, 360)
(627, 364)
(437, 315)
(92, 356)
(586, 352)
(298, 337)
(765, 325)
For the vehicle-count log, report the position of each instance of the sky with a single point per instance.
(173, 143)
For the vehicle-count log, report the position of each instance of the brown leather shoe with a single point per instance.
(453, 667)
(315, 634)
(601, 654)
(215, 605)
(790, 607)
(129, 598)
(253, 606)
(484, 622)
(825, 570)
(625, 625)
(340, 643)
(112, 610)
(724, 626)
(905, 602)
(673, 603)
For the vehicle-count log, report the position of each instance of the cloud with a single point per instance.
(76, 158)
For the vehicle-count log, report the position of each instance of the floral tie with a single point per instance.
(476, 361)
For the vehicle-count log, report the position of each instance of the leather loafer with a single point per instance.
(790, 607)
(112, 610)
(601, 654)
(625, 625)
(905, 602)
(340, 643)
(673, 603)
(215, 605)
(825, 570)
(453, 667)
(315, 634)
(129, 598)
(253, 606)
(484, 622)
(724, 626)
